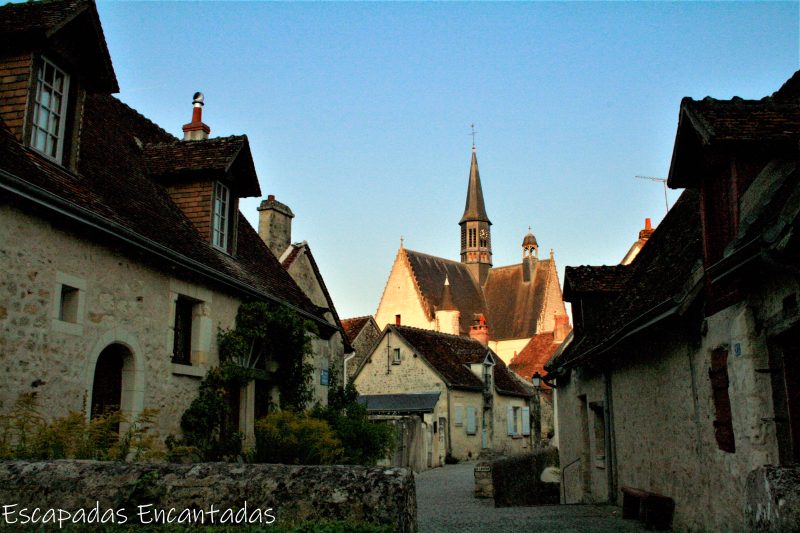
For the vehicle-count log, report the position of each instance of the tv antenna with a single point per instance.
(663, 182)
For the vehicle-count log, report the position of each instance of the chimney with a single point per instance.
(480, 331)
(396, 320)
(561, 328)
(196, 130)
(275, 225)
(647, 231)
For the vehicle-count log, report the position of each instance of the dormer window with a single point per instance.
(221, 216)
(49, 110)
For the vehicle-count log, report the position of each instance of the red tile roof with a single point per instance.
(534, 355)
(451, 355)
(353, 326)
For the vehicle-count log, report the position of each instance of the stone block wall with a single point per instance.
(518, 480)
(144, 493)
(772, 499)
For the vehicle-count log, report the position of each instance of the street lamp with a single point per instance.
(536, 379)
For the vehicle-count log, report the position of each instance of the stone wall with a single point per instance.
(773, 499)
(271, 493)
(400, 297)
(518, 480)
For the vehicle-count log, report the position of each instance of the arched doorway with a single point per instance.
(107, 385)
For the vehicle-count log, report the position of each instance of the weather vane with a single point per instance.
(473, 134)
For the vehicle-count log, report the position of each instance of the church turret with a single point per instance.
(476, 242)
(530, 254)
(447, 315)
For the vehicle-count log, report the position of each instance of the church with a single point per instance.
(511, 309)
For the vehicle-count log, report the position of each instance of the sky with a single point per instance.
(358, 114)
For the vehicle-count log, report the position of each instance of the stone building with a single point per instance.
(681, 375)
(275, 229)
(122, 247)
(517, 301)
(479, 404)
(362, 332)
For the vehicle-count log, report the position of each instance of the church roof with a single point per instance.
(515, 305)
(474, 209)
(451, 355)
(430, 271)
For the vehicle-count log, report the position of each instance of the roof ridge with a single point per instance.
(136, 113)
(426, 305)
(433, 256)
(177, 140)
(437, 333)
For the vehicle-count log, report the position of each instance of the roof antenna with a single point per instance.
(663, 182)
(473, 135)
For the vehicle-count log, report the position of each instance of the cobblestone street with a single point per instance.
(445, 504)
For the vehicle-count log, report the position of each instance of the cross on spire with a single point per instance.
(473, 134)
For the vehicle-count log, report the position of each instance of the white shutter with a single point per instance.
(526, 421)
(459, 415)
(510, 420)
(471, 421)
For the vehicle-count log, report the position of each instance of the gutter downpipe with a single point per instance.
(610, 441)
(109, 227)
(347, 359)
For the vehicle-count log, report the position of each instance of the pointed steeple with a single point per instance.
(474, 209)
(447, 297)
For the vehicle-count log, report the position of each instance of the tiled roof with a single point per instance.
(423, 402)
(353, 326)
(660, 276)
(451, 355)
(474, 208)
(594, 279)
(514, 305)
(430, 271)
(534, 355)
(32, 24)
(218, 155)
(112, 185)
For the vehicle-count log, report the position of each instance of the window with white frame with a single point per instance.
(49, 110)
(221, 216)
(396, 356)
(513, 419)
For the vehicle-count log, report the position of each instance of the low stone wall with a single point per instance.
(772, 499)
(483, 480)
(517, 480)
(207, 493)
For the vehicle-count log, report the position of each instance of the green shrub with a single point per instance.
(290, 438)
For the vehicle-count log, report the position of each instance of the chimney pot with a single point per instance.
(271, 197)
(397, 320)
(196, 130)
(648, 224)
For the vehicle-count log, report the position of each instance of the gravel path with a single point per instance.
(445, 505)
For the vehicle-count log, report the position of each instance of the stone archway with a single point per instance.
(107, 381)
(115, 371)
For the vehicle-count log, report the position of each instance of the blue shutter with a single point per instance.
(510, 420)
(526, 421)
(471, 421)
(459, 415)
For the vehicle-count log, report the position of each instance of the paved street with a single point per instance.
(445, 504)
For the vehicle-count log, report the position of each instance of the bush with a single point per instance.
(290, 438)
(26, 434)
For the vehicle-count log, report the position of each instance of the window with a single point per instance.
(459, 415)
(182, 340)
(396, 356)
(68, 307)
(513, 420)
(487, 376)
(471, 421)
(49, 110)
(472, 237)
(221, 216)
(599, 416)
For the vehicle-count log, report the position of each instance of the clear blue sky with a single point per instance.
(358, 114)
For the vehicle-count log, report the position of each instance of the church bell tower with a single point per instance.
(476, 241)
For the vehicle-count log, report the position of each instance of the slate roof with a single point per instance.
(474, 208)
(451, 355)
(216, 155)
(26, 22)
(400, 403)
(660, 279)
(534, 355)
(594, 279)
(353, 326)
(514, 305)
(112, 188)
(430, 271)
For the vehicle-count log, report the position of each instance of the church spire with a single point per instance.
(476, 243)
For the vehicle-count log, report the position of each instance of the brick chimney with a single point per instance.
(275, 225)
(561, 328)
(480, 331)
(196, 130)
(396, 320)
(647, 231)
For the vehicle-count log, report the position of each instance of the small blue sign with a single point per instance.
(324, 377)
(737, 349)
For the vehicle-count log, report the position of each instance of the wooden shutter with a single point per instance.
(510, 420)
(471, 425)
(526, 421)
(459, 415)
(723, 424)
